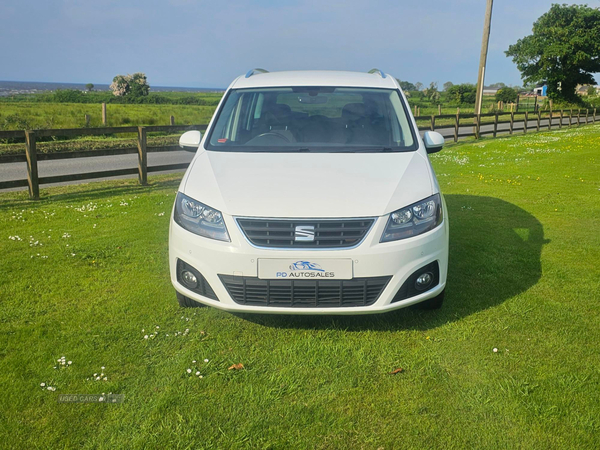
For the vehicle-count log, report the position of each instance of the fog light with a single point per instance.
(424, 281)
(189, 279)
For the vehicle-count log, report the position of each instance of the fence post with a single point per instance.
(142, 156)
(104, 119)
(517, 108)
(418, 110)
(586, 115)
(439, 109)
(578, 116)
(525, 122)
(415, 110)
(594, 116)
(32, 168)
(535, 105)
(570, 117)
(495, 123)
(550, 117)
(172, 120)
(539, 119)
(512, 121)
(432, 122)
(87, 120)
(561, 119)
(456, 124)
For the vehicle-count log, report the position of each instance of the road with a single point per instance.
(15, 171)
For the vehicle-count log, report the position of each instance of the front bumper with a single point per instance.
(238, 258)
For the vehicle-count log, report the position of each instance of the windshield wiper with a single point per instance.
(367, 150)
(277, 150)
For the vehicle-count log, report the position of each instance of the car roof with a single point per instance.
(314, 78)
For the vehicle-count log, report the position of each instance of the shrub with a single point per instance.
(462, 94)
(507, 95)
(135, 85)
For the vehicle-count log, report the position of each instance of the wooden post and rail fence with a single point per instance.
(31, 156)
(450, 122)
(502, 122)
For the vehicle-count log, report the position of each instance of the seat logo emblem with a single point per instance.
(304, 233)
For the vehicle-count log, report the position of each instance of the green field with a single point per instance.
(38, 115)
(84, 275)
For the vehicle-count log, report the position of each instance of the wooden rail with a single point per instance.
(31, 156)
(525, 122)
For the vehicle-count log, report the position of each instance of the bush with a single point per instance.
(507, 95)
(460, 94)
(135, 85)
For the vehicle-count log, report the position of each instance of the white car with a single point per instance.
(310, 193)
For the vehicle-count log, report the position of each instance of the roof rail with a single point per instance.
(378, 72)
(255, 71)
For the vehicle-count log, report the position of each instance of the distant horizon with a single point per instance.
(104, 86)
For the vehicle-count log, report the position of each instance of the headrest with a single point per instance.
(354, 111)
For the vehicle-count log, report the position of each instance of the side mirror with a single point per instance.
(190, 140)
(434, 141)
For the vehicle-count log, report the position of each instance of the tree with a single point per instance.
(507, 95)
(418, 86)
(406, 85)
(497, 85)
(432, 93)
(119, 86)
(89, 86)
(591, 91)
(462, 93)
(447, 85)
(563, 51)
(138, 85)
(135, 85)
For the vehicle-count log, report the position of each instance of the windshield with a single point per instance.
(321, 119)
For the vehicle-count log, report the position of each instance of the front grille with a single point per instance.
(252, 291)
(337, 233)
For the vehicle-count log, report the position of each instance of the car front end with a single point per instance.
(293, 221)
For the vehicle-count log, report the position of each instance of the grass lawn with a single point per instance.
(87, 279)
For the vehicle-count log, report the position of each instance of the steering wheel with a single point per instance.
(270, 134)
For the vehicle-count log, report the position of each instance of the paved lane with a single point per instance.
(16, 171)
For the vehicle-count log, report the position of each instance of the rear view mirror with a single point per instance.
(190, 140)
(434, 141)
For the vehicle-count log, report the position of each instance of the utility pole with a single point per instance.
(483, 56)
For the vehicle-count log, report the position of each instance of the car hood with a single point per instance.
(308, 184)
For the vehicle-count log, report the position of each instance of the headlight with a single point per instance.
(413, 220)
(199, 218)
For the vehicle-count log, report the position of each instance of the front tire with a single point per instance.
(186, 302)
(433, 303)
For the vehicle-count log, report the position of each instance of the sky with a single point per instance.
(202, 43)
